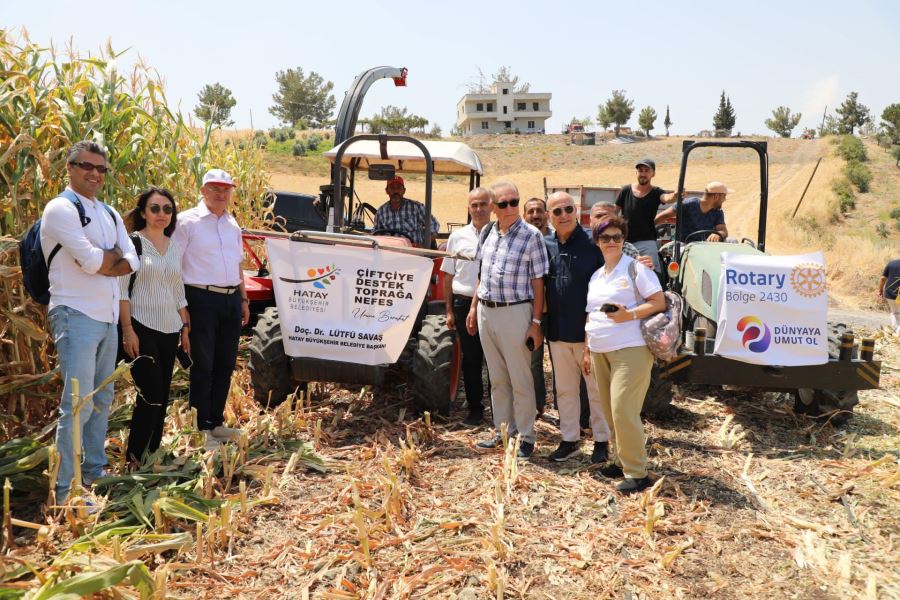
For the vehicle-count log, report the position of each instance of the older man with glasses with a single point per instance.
(506, 312)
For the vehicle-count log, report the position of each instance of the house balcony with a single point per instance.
(531, 114)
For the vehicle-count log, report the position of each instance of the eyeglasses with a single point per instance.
(513, 202)
(89, 166)
(559, 210)
(605, 239)
(156, 208)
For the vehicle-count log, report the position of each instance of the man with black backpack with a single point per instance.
(85, 248)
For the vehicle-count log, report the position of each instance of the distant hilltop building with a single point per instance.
(503, 110)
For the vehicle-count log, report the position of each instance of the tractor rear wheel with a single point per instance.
(435, 366)
(270, 368)
(835, 405)
(659, 394)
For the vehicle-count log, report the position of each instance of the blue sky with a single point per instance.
(805, 55)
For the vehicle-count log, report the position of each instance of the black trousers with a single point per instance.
(472, 355)
(152, 373)
(215, 332)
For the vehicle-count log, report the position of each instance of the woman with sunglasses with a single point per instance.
(153, 316)
(615, 351)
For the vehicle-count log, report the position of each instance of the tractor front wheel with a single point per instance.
(659, 394)
(435, 366)
(270, 369)
(836, 405)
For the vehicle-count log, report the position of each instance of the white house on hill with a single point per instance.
(503, 109)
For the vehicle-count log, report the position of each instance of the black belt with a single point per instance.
(490, 304)
(219, 289)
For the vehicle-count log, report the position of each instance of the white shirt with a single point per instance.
(158, 290)
(604, 334)
(465, 272)
(74, 281)
(212, 247)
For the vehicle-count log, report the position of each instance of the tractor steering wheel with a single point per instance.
(705, 233)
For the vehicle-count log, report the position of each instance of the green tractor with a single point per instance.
(693, 270)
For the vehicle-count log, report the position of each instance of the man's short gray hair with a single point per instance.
(85, 146)
(502, 185)
(482, 191)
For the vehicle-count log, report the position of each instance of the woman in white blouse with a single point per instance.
(153, 316)
(616, 352)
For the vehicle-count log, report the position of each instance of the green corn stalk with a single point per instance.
(85, 584)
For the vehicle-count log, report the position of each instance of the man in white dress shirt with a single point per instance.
(88, 256)
(217, 300)
(459, 287)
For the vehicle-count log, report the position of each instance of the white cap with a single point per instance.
(218, 176)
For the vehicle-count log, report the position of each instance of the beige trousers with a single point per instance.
(567, 376)
(623, 377)
(502, 331)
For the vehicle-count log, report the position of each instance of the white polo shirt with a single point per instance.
(465, 272)
(211, 245)
(74, 281)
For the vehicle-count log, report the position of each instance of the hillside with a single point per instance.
(527, 160)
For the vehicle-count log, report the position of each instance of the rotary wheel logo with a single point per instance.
(808, 279)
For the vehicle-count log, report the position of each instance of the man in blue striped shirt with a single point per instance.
(507, 311)
(402, 215)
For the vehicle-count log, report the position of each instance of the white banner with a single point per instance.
(773, 310)
(349, 304)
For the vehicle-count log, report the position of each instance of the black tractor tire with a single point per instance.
(435, 366)
(270, 368)
(834, 405)
(659, 395)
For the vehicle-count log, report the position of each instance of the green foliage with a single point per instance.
(895, 152)
(851, 148)
(396, 119)
(809, 133)
(646, 119)
(782, 121)
(829, 126)
(435, 131)
(859, 175)
(302, 100)
(895, 213)
(214, 105)
(882, 231)
(282, 134)
(260, 139)
(313, 141)
(668, 122)
(299, 148)
(844, 192)
(890, 120)
(456, 131)
(87, 584)
(724, 119)
(617, 110)
(853, 113)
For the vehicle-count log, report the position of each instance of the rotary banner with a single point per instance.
(347, 304)
(773, 310)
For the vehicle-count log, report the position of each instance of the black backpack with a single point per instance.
(36, 270)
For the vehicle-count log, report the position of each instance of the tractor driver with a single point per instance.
(701, 214)
(402, 215)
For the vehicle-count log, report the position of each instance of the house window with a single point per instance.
(508, 124)
(520, 106)
(530, 124)
(534, 106)
(505, 90)
(504, 110)
(479, 107)
(490, 107)
(484, 124)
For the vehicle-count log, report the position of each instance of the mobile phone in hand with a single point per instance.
(609, 308)
(529, 343)
(184, 359)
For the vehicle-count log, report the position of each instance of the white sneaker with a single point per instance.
(226, 434)
(212, 442)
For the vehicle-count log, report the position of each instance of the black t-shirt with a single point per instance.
(639, 212)
(892, 272)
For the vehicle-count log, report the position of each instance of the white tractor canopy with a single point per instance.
(448, 158)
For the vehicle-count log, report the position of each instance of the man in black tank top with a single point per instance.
(639, 203)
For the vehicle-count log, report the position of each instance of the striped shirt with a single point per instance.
(158, 290)
(509, 261)
(408, 219)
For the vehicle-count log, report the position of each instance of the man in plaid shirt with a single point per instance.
(402, 214)
(506, 311)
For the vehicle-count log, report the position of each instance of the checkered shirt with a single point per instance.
(629, 250)
(510, 261)
(408, 219)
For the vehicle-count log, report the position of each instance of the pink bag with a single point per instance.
(662, 331)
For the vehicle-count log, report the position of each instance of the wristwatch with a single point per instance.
(536, 321)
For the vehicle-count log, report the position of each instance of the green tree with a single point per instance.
(214, 104)
(853, 114)
(617, 110)
(302, 99)
(396, 119)
(668, 122)
(782, 121)
(724, 119)
(646, 119)
(890, 120)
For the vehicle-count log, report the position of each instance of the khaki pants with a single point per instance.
(502, 331)
(567, 377)
(623, 377)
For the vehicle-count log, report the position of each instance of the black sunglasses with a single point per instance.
(605, 239)
(166, 208)
(514, 203)
(89, 166)
(559, 210)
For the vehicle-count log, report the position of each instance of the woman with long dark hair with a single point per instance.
(153, 316)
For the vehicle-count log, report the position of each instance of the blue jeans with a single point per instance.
(87, 352)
